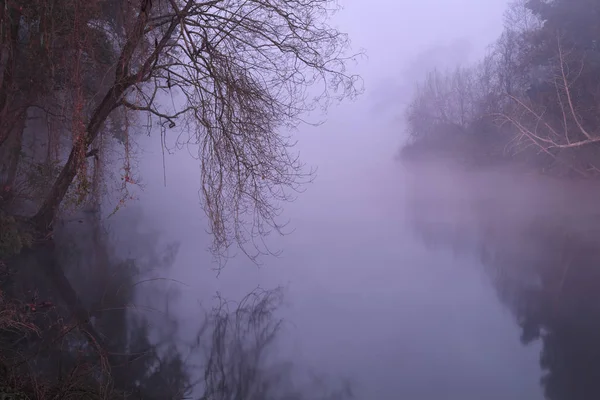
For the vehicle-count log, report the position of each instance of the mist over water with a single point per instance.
(367, 298)
(453, 272)
(385, 283)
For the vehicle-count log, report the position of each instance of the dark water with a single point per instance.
(536, 239)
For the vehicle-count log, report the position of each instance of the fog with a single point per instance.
(366, 299)
(447, 246)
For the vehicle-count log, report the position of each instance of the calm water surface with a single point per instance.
(415, 286)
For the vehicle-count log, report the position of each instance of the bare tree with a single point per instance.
(519, 18)
(509, 54)
(556, 118)
(454, 98)
(239, 71)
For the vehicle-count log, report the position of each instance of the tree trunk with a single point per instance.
(45, 215)
(47, 212)
(10, 156)
(8, 54)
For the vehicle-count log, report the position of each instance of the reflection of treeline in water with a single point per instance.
(547, 272)
(100, 338)
(531, 102)
(553, 289)
(533, 99)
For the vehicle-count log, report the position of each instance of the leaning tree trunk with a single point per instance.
(123, 80)
(45, 215)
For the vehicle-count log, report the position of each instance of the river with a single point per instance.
(420, 284)
(377, 289)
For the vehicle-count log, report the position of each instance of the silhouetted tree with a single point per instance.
(232, 75)
(540, 106)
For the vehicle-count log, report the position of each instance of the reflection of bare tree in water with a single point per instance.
(548, 273)
(49, 350)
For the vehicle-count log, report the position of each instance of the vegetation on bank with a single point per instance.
(532, 100)
(78, 80)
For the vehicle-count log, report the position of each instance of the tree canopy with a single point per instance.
(537, 92)
(227, 76)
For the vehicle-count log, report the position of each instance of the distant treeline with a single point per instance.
(534, 99)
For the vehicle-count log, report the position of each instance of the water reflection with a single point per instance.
(106, 329)
(542, 256)
(84, 334)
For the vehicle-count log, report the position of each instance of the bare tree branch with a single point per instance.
(238, 73)
(536, 128)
